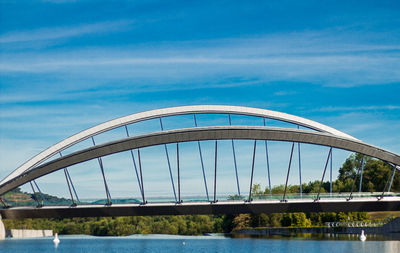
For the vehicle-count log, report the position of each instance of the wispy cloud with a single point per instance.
(60, 1)
(332, 70)
(285, 93)
(45, 65)
(300, 57)
(13, 98)
(357, 108)
(52, 33)
(375, 128)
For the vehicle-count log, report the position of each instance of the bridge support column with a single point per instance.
(2, 230)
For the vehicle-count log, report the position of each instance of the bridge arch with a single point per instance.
(202, 134)
(171, 111)
(317, 134)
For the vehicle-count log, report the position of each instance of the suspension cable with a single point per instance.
(323, 175)
(287, 176)
(169, 164)
(201, 160)
(252, 170)
(134, 162)
(355, 178)
(267, 157)
(234, 159)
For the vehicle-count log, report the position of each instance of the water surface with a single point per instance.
(170, 243)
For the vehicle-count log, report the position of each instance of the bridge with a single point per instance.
(211, 138)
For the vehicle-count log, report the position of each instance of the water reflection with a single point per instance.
(391, 246)
(155, 243)
(311, 236)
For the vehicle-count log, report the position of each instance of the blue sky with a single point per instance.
(68, 65)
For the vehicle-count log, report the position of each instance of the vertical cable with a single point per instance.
(323, 174)
(3, 201)
(134, 162)
(330, 176)
(69, 188)
(169, 164)
(36, 197)
(215, 171)
(70, 184)
(252, 169)
(298, 148)
(387, 182)
(179, 180)
(99, 160)
(287, 176)
(201, 160)
(391, 180)
(354, 182)
(73, 187)
(361, 175)
(141, 176)
(234, 159)
(40, 192)
(266, 154)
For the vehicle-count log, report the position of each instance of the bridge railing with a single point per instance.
(236, 198)
(337, 195)
(199, 198)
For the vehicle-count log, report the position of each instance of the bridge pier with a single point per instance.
(2, 230)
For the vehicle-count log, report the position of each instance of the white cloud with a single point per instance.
(63, 32)
(304, 58)
(357, 108)
(185, 65)
(370, 127)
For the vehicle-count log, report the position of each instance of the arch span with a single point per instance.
(171, 111)
(201, 134)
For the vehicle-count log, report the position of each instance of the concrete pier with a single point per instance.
(22, 233)
(28, 233)
(2, 230)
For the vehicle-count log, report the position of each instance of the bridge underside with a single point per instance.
(234, 207)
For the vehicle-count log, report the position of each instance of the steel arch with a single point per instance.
(201, 134)
(171, 111)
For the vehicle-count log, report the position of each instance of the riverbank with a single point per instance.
(388, 228)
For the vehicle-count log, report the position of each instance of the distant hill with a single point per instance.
(117, 201)
(18, 198)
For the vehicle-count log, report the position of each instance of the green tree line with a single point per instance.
(119, 226)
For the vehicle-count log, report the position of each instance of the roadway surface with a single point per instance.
(223, 207)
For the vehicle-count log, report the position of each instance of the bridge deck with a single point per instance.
(225, 207)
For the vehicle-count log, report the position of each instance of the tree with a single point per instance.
(300, 220)
(256, 190)
(376, 174)
(295, 219)
(241, 221)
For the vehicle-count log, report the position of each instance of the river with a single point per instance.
(170, 243)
